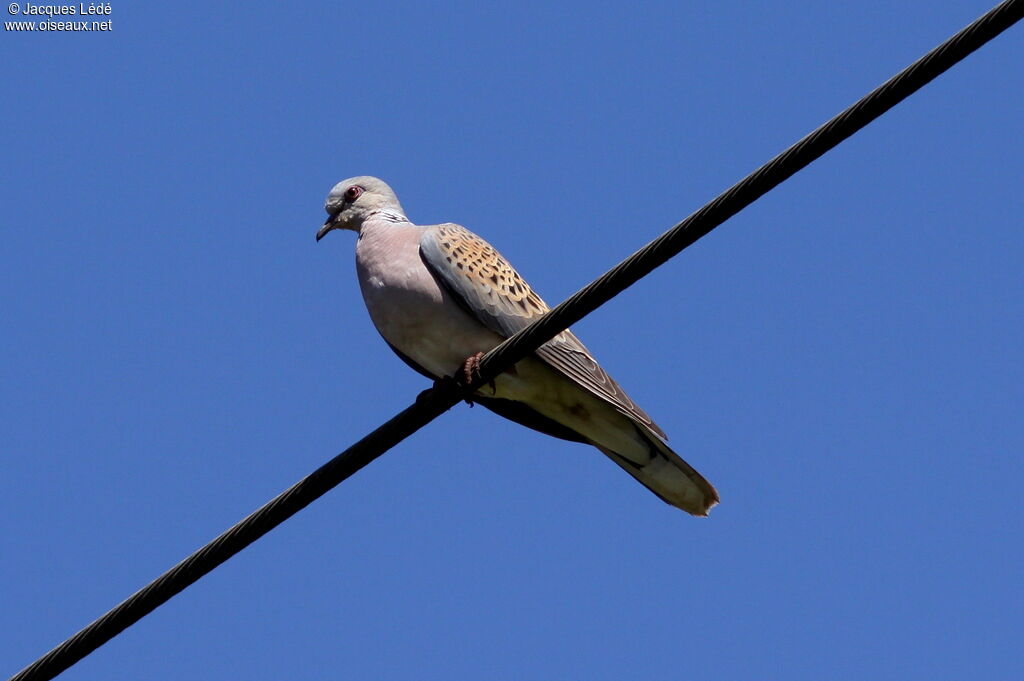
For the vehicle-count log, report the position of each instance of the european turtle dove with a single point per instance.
(440, 295)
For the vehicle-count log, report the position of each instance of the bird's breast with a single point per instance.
(409, 307)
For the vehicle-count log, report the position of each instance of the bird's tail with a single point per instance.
(667, 475)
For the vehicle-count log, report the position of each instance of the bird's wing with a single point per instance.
(487, 285)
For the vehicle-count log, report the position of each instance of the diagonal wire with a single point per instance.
(432, 403)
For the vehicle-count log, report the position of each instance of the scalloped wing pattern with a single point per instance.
(490, 288)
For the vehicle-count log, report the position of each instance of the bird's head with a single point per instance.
(353, 201)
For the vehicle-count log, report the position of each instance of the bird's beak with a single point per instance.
(328, 226)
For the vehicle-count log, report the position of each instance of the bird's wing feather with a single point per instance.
(487, 285)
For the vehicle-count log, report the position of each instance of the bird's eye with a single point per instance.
(353, 192)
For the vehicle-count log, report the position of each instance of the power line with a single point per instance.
(432, 403)
(749, 189)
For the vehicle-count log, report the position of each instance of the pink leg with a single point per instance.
(471, 368)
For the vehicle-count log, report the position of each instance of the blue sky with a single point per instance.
(842, 359)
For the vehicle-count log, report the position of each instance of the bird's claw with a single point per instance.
(471, 369)
(470, 373)
(457, 385)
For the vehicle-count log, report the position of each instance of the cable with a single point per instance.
(761, 181)
(432, 403)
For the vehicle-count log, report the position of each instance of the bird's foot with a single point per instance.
(457, 385)
(446, 386)
(469, 373)
(471, 368)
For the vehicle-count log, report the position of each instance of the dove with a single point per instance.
(441, 297)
